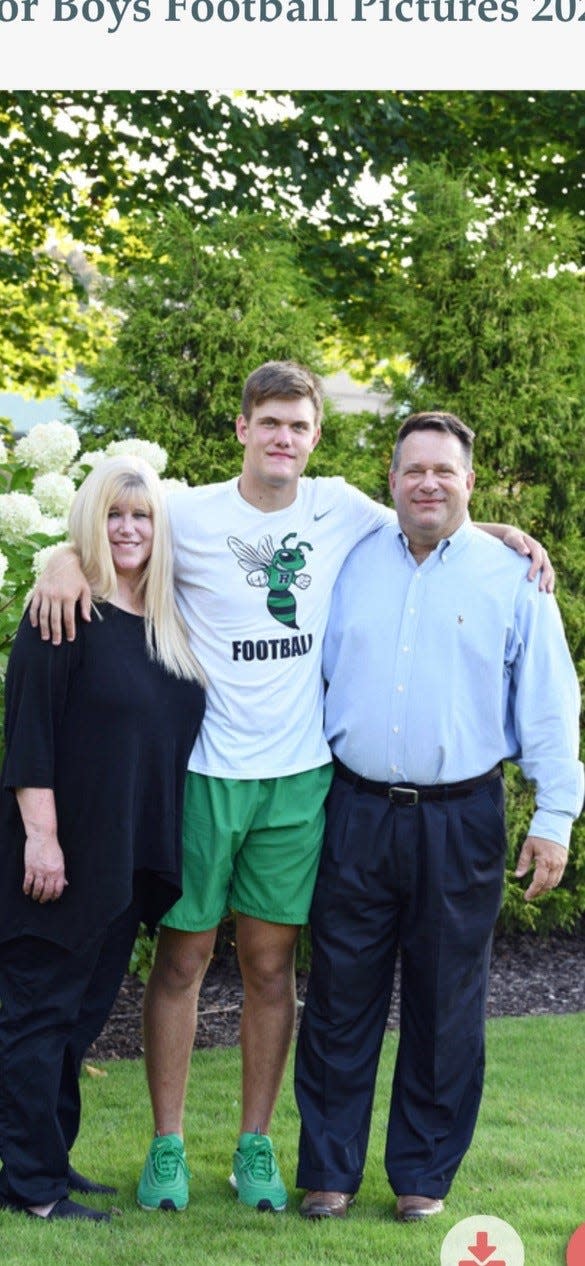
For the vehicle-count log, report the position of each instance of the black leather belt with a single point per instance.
(404, 794)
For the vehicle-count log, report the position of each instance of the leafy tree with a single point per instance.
(98, 160)
(216, 151)
(204, 306)
(357, 446)
(490, 308)
(50, 322)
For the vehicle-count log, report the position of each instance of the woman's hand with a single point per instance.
(44, 864)
(44, 868)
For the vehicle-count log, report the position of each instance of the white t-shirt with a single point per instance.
(255, 590)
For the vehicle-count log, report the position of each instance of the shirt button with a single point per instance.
(394, 769)
(396, 729)
(406, 649)
(411, 610)
(400, 689)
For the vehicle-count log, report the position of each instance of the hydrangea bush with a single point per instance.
(48, 446)
(38, 481)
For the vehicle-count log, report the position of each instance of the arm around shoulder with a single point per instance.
(59, 588)
(528, 547)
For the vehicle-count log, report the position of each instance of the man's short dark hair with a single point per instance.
(282, 379)
(449, 423)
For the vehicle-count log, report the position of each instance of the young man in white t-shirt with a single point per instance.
(256, 558)
(255, 563)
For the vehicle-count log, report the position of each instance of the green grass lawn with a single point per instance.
(526, 1165)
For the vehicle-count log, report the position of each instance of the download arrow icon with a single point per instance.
(482, 1251)
(483, 1240)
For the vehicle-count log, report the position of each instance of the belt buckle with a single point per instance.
(403, 795)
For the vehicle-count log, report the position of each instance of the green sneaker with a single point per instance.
(256, 1177)
(164, 1181)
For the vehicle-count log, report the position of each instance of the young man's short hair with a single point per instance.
(282, 379)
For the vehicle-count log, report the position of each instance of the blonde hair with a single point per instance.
(130, 479)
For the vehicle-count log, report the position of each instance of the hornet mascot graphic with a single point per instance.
(278, 569)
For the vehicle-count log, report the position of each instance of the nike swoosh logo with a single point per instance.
(316, 517)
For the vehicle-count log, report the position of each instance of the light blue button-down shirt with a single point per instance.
(437, 672)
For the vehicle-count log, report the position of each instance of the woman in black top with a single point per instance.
(98, 735)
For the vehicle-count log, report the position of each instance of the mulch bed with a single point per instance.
(529, 976)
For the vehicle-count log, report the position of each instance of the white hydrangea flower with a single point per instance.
(48, 446)
(54, 493)
(147, 449)
(85, 463)
(41, 558)
(20, 514)
(53, 525)
(3, 453)
(3, 566)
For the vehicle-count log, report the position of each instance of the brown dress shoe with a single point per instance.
(326, 1204)
(413, 1208)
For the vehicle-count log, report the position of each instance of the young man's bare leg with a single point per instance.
(170, 1024)
(266, 953)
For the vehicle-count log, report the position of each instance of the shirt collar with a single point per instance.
(446, 548)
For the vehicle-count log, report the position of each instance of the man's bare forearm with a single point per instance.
(59, 588)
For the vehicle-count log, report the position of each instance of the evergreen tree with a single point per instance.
(205, 305)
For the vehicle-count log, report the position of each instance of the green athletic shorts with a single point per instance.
(250, 845)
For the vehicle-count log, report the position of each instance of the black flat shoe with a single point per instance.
(66, 1208)
(87, 1187)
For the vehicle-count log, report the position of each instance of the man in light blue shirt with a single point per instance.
(440, 662)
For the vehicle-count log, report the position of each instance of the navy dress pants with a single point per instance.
(425, 879)
(54, 1003)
